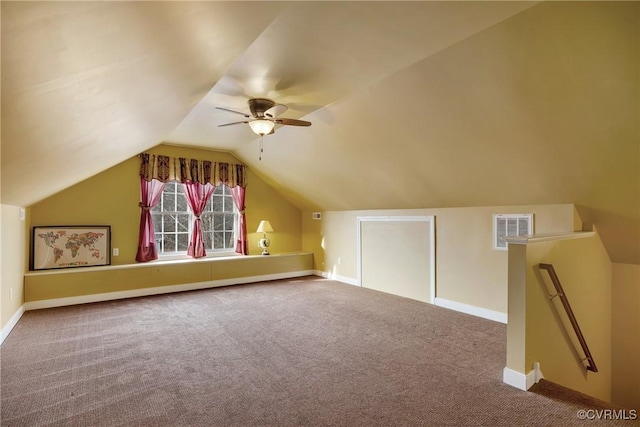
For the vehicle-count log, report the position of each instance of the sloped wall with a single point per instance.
(541, 108)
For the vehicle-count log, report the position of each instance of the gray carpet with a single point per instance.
(301, 352)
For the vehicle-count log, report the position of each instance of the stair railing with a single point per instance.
(572, 318)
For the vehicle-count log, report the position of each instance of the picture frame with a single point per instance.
(70, 246)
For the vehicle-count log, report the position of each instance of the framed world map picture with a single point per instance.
(70, 246)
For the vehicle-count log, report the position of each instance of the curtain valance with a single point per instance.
(165, 169)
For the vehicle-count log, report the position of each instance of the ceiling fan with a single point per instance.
(264, 116)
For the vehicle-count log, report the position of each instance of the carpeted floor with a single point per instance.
(301, 352)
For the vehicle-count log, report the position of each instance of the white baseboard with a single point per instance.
(109, 296)
(11, 324)
(337, 277)
(496, 316)
(520, 380)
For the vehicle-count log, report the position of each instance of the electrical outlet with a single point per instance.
(11, 294)
(116, 251)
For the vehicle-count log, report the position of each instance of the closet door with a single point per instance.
(397, 255)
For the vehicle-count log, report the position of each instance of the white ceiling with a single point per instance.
(413, 104)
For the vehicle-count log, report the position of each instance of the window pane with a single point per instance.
(181, 201)
(183, 223)
(218, 240)
(228, 204)
(208, 240)
(169, 223)
(169, 202)
(228, 240)
(218, 224)
(183, 241)
(219, 189)
(229, 222)
(512, 227)
(209, 205)
(159, 241)
(207, 222)
(169, 243)
(217, 203)
(157, 222)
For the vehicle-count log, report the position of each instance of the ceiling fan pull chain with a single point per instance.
(261, 150)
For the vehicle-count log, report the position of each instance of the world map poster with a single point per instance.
(65, 247)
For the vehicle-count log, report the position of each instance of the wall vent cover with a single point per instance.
(510, 225)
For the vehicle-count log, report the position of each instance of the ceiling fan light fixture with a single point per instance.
(261, 126)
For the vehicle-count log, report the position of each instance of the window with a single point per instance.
(172, 221)
(219, 220)
(510, 225)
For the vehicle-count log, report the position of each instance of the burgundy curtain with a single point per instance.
(150, 192)
(238, 199)
(197, 196)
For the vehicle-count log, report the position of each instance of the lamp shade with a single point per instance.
(261, 126)
(264, 227)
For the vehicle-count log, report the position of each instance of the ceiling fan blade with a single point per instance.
(275, 111)
(231, 124)
(233, 111)
(292, 122)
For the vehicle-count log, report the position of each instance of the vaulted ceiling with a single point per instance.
(413, 104)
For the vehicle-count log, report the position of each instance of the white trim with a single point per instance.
(485, 313)
(108, 296)
(534, 238)
(11, 324)
(520, 380)
(337, 277)
(432, 245)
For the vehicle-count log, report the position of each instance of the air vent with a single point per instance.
(510, 225)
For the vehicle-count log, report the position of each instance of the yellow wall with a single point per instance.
(468, 270)
(112, 197)
(82, 282)
(626, 335)
(584, 269)
(14, 261)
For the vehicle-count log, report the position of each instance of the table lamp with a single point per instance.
(264, 228)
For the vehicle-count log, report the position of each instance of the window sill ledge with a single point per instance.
(186, 260)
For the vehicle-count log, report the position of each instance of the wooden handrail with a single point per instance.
(572, 318)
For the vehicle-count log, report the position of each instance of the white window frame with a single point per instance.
(498, 243)
(158, 226)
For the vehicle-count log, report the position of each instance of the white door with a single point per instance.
(397, 255)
